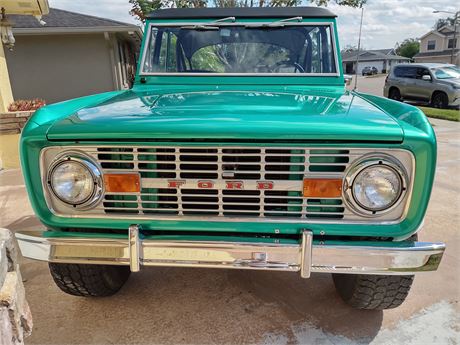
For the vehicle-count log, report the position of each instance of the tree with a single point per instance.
(351, 3)
(141, 8)
(443, 22)
(408, 48)
(349, 48)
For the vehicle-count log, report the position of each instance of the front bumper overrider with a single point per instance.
(400, 258)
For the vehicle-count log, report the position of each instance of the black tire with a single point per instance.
(89, 280)
(373, 292)
(439, 100)
(395, 94)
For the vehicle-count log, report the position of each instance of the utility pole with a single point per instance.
(359, 48)
(454, 43)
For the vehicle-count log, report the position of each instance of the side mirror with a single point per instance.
(348, 79)
(426, 77)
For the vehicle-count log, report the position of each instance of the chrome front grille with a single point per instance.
(224, 183)
(285, 168)
(215, 163)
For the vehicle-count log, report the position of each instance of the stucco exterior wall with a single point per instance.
(60, 67)
(439, 59)
(441, 43)
(9, 151)
(6, 96)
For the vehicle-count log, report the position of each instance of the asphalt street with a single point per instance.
(206, 306)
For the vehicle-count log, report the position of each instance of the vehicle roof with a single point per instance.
(242, 12)
(427, 65)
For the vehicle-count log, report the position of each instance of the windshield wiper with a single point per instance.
(277, 24)
(208, 26)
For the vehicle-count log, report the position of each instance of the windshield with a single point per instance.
(447, 72)
(254, 49)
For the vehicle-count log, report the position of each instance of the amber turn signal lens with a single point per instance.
(322, 188)
(122, 183)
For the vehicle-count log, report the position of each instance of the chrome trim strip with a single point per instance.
(365, 162)
(396, 216)
(356, 257)
(172, 74)
(91, 165)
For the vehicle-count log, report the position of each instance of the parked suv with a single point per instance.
(438, 84)
(368, 70)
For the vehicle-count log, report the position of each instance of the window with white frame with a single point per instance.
(452, 43)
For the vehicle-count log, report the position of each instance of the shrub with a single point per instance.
(26, 104)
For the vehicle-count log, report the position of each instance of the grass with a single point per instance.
(443, 114)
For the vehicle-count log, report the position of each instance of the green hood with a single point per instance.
(229, 115)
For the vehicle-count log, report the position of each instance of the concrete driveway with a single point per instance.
(198, 306)
(370, 84)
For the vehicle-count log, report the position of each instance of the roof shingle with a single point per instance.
(370, 55)
(438, 53)
(60, 18)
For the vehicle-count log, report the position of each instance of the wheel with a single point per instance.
(395, 94)
(374, 292)
(439, 100)
(89, 280)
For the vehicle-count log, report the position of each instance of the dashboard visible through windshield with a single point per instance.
(273, 48)
(450, 72)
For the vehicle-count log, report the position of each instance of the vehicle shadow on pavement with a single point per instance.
(26, 222)
(195, 306)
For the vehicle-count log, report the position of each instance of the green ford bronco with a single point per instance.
(237, 147)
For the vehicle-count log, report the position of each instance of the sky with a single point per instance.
(385, 22)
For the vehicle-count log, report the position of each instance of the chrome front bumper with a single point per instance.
(306, 257)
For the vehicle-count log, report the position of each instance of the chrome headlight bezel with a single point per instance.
(95, 172)
(364, 163)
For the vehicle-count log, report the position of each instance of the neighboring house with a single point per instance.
(382, 59)
(72, 55)
(438, 46)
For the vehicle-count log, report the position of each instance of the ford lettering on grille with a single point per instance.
(208, 184)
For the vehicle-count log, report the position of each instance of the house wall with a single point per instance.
(379, 64)
(441, 43)
(392, 63)
(6, 96)
(60, 67)
(438, 59)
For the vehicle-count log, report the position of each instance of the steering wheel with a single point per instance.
(296, 65)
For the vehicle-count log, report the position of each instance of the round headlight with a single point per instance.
(75, 181)
(377, 187)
